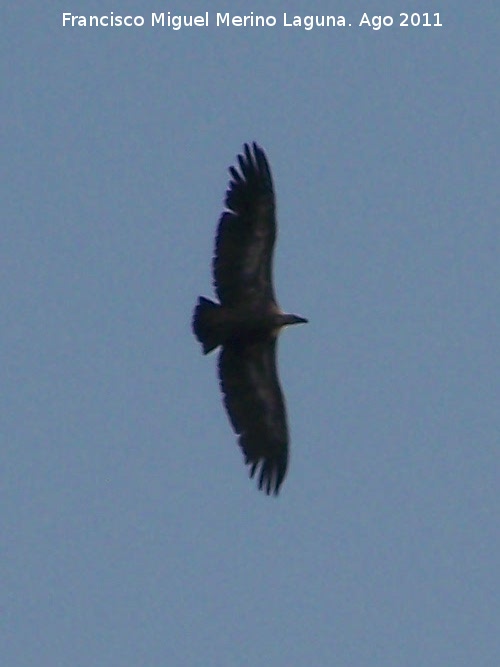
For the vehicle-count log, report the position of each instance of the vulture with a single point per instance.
(246, 321)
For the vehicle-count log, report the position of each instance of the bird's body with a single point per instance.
(247, 320)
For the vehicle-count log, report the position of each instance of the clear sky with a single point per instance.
(130, 533)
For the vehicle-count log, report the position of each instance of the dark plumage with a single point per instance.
(247, 320)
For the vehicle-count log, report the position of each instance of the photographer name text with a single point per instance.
(251, 20)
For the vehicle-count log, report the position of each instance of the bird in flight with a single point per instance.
(246, 322)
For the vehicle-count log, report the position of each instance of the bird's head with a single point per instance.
(287, 319)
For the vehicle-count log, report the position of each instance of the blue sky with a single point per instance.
(131, 534)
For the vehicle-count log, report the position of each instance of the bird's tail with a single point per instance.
(207, 324)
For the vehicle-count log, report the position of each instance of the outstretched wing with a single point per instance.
(246, 234)
(255, 405)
